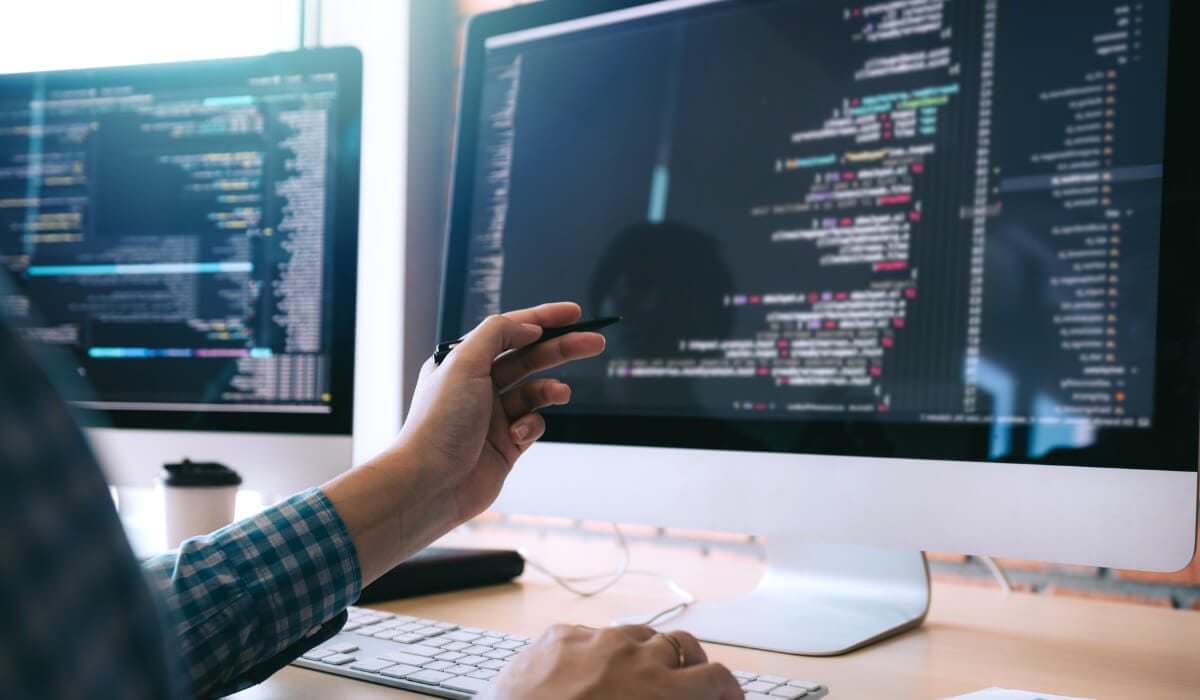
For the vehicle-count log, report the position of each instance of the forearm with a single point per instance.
(389, 513)
(247, 593)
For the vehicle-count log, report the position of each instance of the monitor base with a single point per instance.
(817, 600)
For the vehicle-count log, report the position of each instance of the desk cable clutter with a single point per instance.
(611, 579)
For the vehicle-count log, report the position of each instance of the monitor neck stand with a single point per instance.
(817, 600)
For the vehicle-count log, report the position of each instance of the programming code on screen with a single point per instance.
(174, 236)
(939, 211)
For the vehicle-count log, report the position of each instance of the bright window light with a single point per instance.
(56, 34)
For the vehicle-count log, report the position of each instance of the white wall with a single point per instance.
(379, 28)
(57, 34)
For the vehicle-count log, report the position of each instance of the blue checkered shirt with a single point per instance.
(80, 618)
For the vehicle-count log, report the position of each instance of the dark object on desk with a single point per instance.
(440, 569)
(189, 473)
(444, 348)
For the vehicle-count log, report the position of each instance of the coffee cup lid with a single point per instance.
(189, 473)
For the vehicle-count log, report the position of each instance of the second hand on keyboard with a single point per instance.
(445, 660)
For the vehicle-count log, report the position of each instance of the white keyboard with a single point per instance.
(449, 661)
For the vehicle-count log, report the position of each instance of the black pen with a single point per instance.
(443, 349)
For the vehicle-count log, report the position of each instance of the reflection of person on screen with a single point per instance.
(668, 282)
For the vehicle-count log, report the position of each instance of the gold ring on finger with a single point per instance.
(674, 641)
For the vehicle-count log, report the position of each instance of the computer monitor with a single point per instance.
(895, 277)
(188, 232)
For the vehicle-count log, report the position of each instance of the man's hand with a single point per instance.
(470, 419)
(472, 416)
(574, 663)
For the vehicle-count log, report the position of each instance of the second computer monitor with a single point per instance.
(186, 235)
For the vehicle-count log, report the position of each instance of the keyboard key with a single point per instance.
(443, 665)
(472, 660)
(462, 636)
(377, 665)
(337, 659)
(407, 638)
(430, 630)
(436, 642)
(318, 654)
(445, 625)
(483, 674)
(399, 671)
(759, 687)
(460, 670)
(419, 650)
(493, 664)
(777, 680)
(431, 677)
(368, 630)
(789, 692)
(402, 658)
(466, 683)
(342, 647)
(450, 656)
(477, 649)
(744, 676)
(455, 646)
(387, 634)
(807, 685)
(514, 644)
(500, 654)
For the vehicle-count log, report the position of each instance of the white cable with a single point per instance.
(998, 572)
(686, 601)
(566, 581)
(614, 577)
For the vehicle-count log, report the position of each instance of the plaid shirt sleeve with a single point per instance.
(255, 595)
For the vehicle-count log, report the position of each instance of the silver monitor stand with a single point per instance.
(816, 599)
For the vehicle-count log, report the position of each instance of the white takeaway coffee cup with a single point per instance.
(197, 498)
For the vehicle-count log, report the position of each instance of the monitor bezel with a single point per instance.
(346, 63)
(1170, 444)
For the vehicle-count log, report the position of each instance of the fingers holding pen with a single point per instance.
(516, 366)
(495, 335)
(509, 331)
(551, 315)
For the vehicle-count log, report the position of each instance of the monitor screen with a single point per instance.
(188, 231)
(917, 228)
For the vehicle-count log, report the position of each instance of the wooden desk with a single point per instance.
(973, 638)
